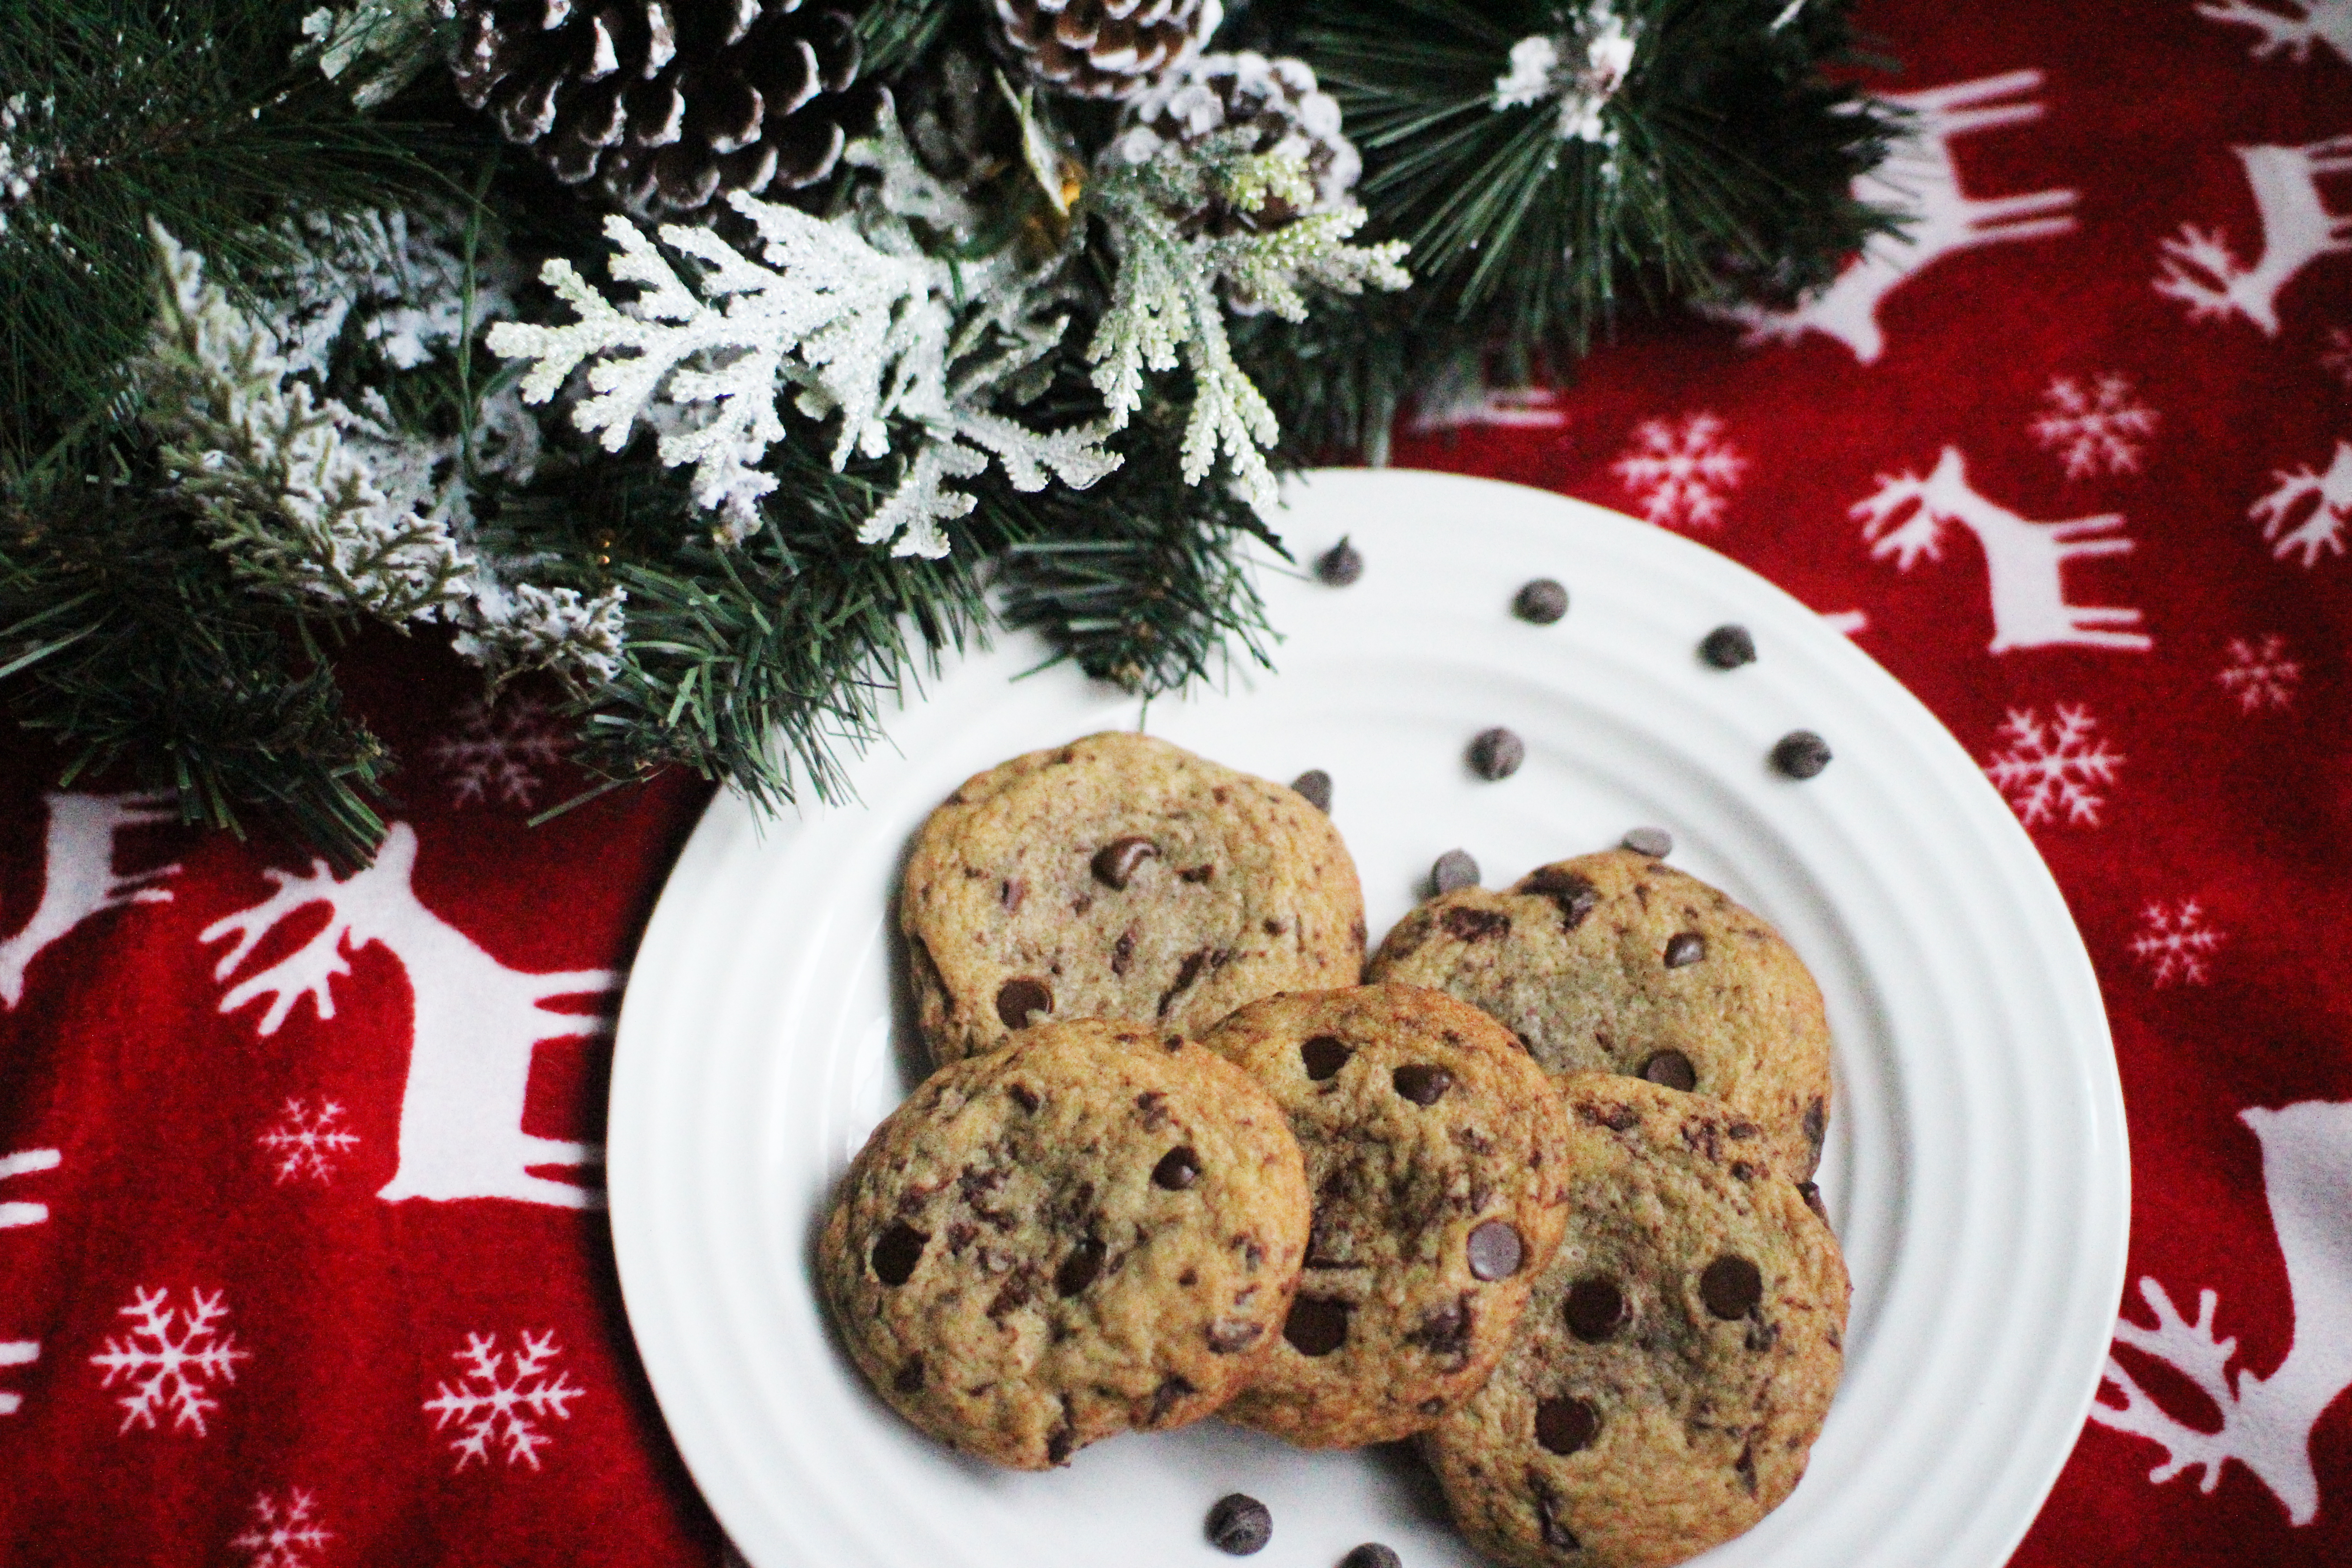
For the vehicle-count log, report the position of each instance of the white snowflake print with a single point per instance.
(2101, 428)
(2336, 358)
(2054, 769)
(500, 1399)
(164, 1370)
(2322, 527)
(1680, 474)
(2176, 942)
(307, 1141)
(500, 751)
(2260, 674)
(283, 1534)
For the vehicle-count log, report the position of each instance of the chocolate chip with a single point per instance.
(1115, 864)
(1340, 565)
(1231, 1337)
(1446, 1330)
(1685, 947)
(1729, 648)
(1019, 998)
(1542, 600)
(1165, 1398)
(1422, 1083)
(1463, 924)
(1178, 1169)
(1316, 785)
(1496, 753)
(1186, 972)
(1495, 1251)
(1318, 1325)
(1024, 1096)
(1058, 1444)
(1324, 1056)
(1813, 1197)
(1454, 869)
(1011, 894)
(1201, 873)
(1576, 895)
(1594, 1309)
(1239, 1524)
(1566, 1425)
(895, 1255)
(1731, 1287)
(1554, 1530)
(1655, 842)
(909, 1379)
(1122, 951)
(1816, 1123)
(1372, 1555)
(1801, 755)
(1078, 1269)
(1671, 1069)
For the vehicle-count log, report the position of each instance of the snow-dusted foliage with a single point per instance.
(501, 1399)
(850, 320)
(1580, 70)
(1165, 301)
(347, 508)
(169, 1358)
(375, 48)
(22, 159)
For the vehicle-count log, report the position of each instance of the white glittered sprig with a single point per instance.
(1581, 70)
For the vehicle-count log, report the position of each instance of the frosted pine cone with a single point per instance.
(1275, 101)
(665, 106)
(1106, 49)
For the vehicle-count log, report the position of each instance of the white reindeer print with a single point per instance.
(2303, 23)
(22, 1352)
(2266, 1421)
(476, 1025)
(2322, 527)
(2200, 269)
(1920, 178)
(79, 879)
(2024, 560)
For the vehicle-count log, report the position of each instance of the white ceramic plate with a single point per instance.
(1976, 1169)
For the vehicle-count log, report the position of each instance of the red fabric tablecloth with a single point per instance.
(299, 1265)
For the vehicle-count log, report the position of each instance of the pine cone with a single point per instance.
(1106, 49)
(1276, 101)
(667, 105)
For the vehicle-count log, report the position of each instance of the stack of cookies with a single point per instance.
(1538, 1193)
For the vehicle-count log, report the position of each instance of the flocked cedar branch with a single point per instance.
(1167, 297)
(851, 321)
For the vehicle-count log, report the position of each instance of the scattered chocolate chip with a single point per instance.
(1341, 565)
(1813, 1197)
(1542, 600)
(1324, 1056)
(1024, 1096)
(1116, 863)
(1422, 1083)
(1463, 924)
(1575, 895)
(1010, 1296)
(1731, 1286)
(1122, 951)
(1318, 1325)
(1556, 1533)
(1566, 1425)
(895, 1255)
(1316, 785)
(1372, 1555)
(1200, 873)
(1454, 869)
(1671, 1069)
(909, 1379)
(1151, 1109)
(1655, 842)
(1178, 1169)
(1816, 1123)
(1616, 1118)
(1594, 1309)
(1446, 1330)
(1078, 1269)
(1186, 972)
(1801, 755)
(1744, 1467)
(1685, 947)
(1496, 753)
(1495, 1251)
(1165, 1398)
(1058, 1444)
(1019, 998)
(1729, 648)
(1011, 894)
(1239, 1524)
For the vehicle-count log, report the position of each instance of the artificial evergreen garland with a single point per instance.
(724, 361)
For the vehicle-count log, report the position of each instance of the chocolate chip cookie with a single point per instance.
(1620, 964)
(1120, 876)
(1676, 1360)
(1094, 1229)
(1433, 1152)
